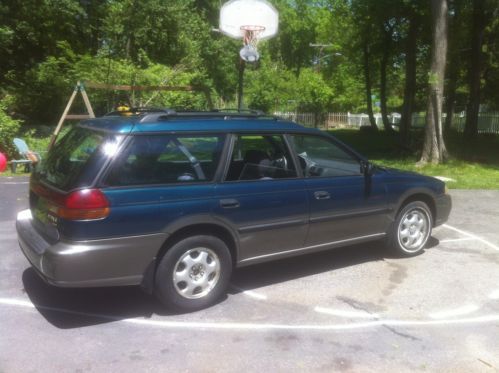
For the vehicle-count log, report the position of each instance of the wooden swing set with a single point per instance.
(81, 88)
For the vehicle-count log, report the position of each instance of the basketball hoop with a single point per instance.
(251, 21)
(249, 52)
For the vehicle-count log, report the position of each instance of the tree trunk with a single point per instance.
(384, 64)
(367, 75)
(479, 23)
(454, 65)
(410, 81)
(434, 150)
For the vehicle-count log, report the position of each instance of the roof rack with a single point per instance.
(150, 115)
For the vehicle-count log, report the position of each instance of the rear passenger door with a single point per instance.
(159, 179)
(344, 204)
(262, 197)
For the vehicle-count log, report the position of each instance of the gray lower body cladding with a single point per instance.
(443, 205)
(106, 262)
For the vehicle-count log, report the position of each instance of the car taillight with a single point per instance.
(85, 204)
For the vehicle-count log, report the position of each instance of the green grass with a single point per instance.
(473, 165)
(468, 175)
(19, 172)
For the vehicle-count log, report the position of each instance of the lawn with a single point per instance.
(472, 166)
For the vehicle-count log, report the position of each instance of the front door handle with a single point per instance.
(229, 203)
(322, 194)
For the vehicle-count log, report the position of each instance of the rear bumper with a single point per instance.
(105, 262)
(443, 205)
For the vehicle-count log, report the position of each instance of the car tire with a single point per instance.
(411, 229)
(193, 274)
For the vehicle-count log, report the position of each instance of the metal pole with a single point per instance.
(242, 66)
(321, 48)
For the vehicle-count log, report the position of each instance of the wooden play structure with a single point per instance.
(81, 88)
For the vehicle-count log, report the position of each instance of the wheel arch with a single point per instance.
(191, 227)
(419, 195)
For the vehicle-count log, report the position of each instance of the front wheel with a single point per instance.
(411, 229)
(194, 273)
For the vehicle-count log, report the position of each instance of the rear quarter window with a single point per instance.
(74, 161)
(167, 159)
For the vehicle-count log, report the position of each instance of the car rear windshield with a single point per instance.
(74, 161)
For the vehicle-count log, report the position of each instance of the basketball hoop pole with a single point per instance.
(251, 21)
(242, 66)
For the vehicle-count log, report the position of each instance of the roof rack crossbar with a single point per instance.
(150, 115)
(155, 117)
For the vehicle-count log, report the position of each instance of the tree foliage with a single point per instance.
(376, 55)
(8, 128)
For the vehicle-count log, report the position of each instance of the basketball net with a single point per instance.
(251, 34)
(249, 52)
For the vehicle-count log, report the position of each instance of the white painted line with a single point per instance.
(17, 302)
(457, 240)
(493, 318)
(454, 312)
(250, 293)
(14, 182)
(472, 236)
(494, 295)
(24, 215)
(348, 314)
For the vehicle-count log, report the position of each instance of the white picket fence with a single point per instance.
(487, 122)
(333, 120)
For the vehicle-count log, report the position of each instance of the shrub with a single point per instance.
(9, 128)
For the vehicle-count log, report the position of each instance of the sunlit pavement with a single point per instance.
(354, 308)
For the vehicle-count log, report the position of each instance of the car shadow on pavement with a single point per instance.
(256, 276)
(252, 277)
(73, 308)
(68, 308)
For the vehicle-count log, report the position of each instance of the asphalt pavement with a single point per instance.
(351, 309)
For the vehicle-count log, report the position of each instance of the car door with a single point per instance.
(262, 197)
(163, 179)
(345, 205)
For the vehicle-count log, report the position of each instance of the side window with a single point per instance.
(321, 157)
(162, 159)
(260, 157)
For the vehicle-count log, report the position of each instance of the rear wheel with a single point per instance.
(194, 273)
(411, 230)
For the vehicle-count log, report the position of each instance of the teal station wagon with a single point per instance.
(173, 201)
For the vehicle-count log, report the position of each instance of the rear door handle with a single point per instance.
(229, 203)
(322, 194)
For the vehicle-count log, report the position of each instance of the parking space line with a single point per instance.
(494, 295)
(250, 293)
(457, 240)
(260, 326)
(348, 314)
(471, 235)
(14, 182)
(17, 302)
(454, 312)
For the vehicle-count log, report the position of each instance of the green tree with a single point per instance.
(9, 128)
(434, 149)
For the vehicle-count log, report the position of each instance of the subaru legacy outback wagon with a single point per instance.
(174, 201)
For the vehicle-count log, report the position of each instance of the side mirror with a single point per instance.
(367, 168)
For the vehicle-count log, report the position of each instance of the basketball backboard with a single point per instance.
(236, 16)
